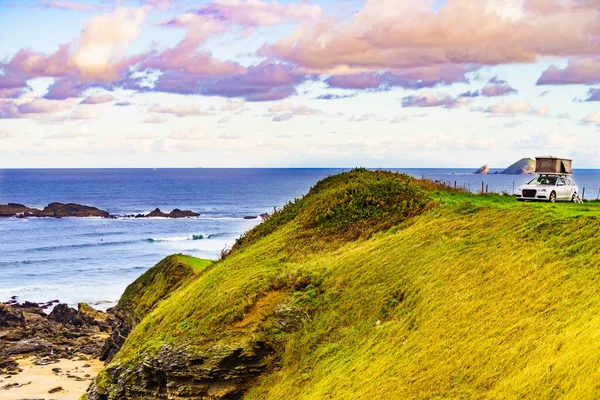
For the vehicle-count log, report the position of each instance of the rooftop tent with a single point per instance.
(553, 165)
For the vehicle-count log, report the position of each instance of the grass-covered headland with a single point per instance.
(379, 286)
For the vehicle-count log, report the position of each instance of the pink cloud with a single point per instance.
(71, 5)
(365, 80)
(264, 82)
(65, 88)
(593, 118)
(498, 90)
(429, 99)
(577, 71)
(594, 95)
(386, 35)
(98, 99)
(180, 111)
(97, 56)
(43, 106)
(253, 13)
(516, 107)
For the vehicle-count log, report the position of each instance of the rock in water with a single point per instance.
(55, 210)
(525, 166)
(177, 213)
(485, 170)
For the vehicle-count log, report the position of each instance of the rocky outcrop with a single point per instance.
(26, 329)
(525, 166)
(176, 213)
(11, 318)
(53, 210)
(220, 372)
(485, 170)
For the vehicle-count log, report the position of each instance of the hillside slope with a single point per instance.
(376, 285)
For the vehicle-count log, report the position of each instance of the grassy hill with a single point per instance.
(376, 285)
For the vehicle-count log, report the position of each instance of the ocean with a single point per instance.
(92, 260)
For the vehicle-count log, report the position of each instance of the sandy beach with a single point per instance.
(36, 381)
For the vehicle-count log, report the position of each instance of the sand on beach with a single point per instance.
(42, 379)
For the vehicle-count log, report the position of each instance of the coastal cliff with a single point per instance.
(375, 285)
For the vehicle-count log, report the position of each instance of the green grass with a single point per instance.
(450, 295)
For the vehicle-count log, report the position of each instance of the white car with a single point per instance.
(549, 188)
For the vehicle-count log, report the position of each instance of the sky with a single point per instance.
(305, 83)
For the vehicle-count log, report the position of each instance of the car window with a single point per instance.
(561, 182)
(544, 180)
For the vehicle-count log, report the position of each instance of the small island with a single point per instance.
(60, 210)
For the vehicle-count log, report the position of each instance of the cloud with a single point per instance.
(429, 99)
(66, 88)
(498, 90)
(593, 95)
(593, 118)
(32, 108)
(85, 112)
(160, 4)
(97, 56)
(331, 96)
(103, 42)
(411, 78)
(264, 82)
(254, 13)
(366, 117)
(43, 106)
(71, 6)
(517, 107)
(398, 118)
(180, 111)
(233, 105)
(585, 70)
(386, 35)
(155, 119)
(98, 99)
(285, 111)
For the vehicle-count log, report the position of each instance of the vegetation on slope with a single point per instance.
(451, 295)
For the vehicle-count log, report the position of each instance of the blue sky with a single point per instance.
(252, 83)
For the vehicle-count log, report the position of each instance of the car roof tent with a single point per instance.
(553, 165)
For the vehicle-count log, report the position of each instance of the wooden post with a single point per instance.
(513, 187)
(454, 185)
(583, 194)
(486, 189)
(598, 198)
(482, 183)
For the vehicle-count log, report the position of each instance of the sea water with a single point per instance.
(93, 260)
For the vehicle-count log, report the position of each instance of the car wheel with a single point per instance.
(553, 197)
(574, 198)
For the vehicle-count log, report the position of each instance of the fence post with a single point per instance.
(482, 183)
(598, 198)
(454, 185)
(486, 189)
(513, 187)
(583, 195)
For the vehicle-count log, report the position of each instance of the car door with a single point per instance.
(563, 191)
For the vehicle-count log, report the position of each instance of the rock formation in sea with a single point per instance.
(176, 213)
(525, 166)
(485, 170)
(53, 210)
